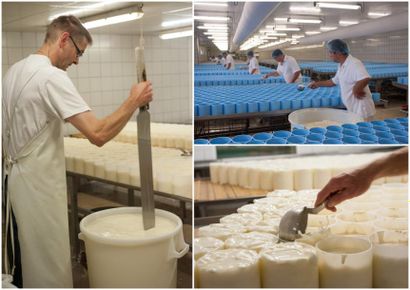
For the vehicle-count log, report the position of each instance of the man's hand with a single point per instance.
(265, 76)
(313, 85)
(358, 92)
(344, 186)
(141, 94)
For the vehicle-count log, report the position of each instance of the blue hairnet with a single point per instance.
(338, 45)
(250, 53)
(276, 53)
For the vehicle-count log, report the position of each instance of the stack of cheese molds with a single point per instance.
(388, 131)
(291, 173)
(162, 135)
(236, 80)
(242, 250)
(228, 100)
(118, 162)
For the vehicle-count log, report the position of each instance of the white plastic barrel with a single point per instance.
(139, 261)
(298, 118)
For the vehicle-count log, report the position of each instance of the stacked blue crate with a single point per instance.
(403, 80)
(228, 100)
(388, 131)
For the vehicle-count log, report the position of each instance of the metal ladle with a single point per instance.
(294, 222)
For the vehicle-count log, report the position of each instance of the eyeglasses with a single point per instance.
(79, 51)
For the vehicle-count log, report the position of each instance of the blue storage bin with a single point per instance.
(316, 137)
(262, 136)
(196, 112)
(242, 139)
(204, 110)
(301, 132)
(318, 130)
(229, 108)
(376, 97)
(306, 103)
(384, 134)
(335, 101)
(332, 141)
(366, 130)
(285, 105)
(333, 135)
(201, 141)
(220, 140)
(350, 140)
(275, 140)
(369, 142)
(240, 108)
(256, 142)
(296, 140)
(365, 124)
(282, 134)
(378, 123)
(394, 126)
(381, 128)
(402, 133)
(252, 107)
(368, 137)
(263, 106)
(316, 102)
(296, 104)
(349, 132)
(274, 105)
(391, 121)
(334, 128)
(388, 141)
(402, 140)
(216, 110)
(325, 102)
(350, 126)
(403, 120)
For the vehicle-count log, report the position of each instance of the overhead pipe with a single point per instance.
(253, 15)
(381, 25)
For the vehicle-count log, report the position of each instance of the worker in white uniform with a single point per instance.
(229, 62)
(287, 67)
(222, 60)
(353, 79)
(356, 182)
(38, 97)
(253, 66)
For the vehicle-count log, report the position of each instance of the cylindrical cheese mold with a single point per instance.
(303, 179)
(206, 245)
(230, 268)
(253, 241)
(283, 179)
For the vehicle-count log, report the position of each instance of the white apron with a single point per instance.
(38, 197)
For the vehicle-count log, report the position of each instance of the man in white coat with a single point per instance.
(253, 66)
(229, 61)
(287, 67)
(38, 97)
(353, 79)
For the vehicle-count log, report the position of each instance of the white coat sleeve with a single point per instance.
(335, 79)
(61, 97)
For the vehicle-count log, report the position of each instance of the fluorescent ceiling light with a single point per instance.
(304, 9)
(177, 10)
(215, 25)
(218, 31)
(269, 37)
(306, 47)
(81, 10)
(312, 32)
(281, 19)
(216, 34)
(288, 29)
(178, 22)
(338, 6)
(211, 4)
(328, 28)
(378, 14)
(211, 18)
(178, 34)
(296, 36)
(275, 34)
(348, 22)
(212, 28)
(113, 20)
(305, 21)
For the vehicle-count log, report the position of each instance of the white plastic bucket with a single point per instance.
(298, 118)
(149, 262)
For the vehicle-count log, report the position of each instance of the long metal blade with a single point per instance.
(144, 151)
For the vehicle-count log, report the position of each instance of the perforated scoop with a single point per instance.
(294, 222)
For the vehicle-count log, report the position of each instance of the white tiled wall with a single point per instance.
(388, 48)
(107, 70)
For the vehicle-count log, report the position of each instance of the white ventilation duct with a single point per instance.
(253, 14)
(382, 25)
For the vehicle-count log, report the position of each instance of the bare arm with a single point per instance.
(295, 76)
(228, 66)
(327, 83)
(355, 183)
(358, 89)
(274, 73)
(253, 71)
(100, 131)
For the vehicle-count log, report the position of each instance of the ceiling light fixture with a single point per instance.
(305, 21)
(211, 18)
(178, 34)
(212, 28)
(179, 22)
(177, 10)
(348, 22)
(328, 28)
(312, 32)
(114, 20)
(338, 6)
(304, 9)
(378, 14)
(287, 29)
(81, 10)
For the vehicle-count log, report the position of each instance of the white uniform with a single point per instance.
(288, 68)
(350, 72)
(37, 97)
(229, 60)
(223, 61)
(253, 64)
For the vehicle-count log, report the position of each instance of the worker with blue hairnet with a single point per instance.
(353, 79)
(253, 65)
(229, 62)
(287, 67)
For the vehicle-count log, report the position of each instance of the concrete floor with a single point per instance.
(391, 111)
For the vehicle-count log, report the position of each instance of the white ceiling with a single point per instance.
(33, 16)
(329, 17)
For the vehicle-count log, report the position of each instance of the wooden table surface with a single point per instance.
(205, 190)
